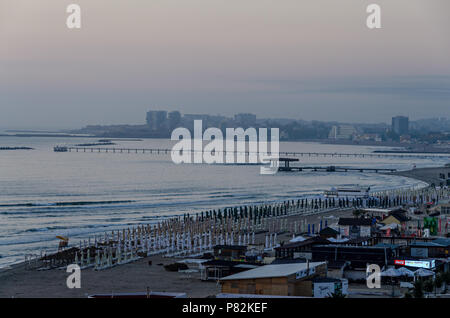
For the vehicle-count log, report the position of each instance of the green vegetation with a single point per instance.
(418, 289)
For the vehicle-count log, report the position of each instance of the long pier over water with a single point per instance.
(165, 151)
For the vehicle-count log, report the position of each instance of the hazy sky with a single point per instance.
(276, 58)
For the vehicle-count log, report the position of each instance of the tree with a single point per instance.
(446, 277)
(437, 282)
(418, 289)
(428, 285)
(446, 280)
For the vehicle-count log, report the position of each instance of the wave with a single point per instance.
(61, 227)
(75, 233)
(68, 203)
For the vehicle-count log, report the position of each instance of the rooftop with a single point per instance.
(364, 247)
(329, 231)
(440, 242)
(399, 216)
(355, 221)
(392, 246)
(308, 241)
(223, 263)
(281, 270)
(231, 247)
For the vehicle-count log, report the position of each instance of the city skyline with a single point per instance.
(144, 120)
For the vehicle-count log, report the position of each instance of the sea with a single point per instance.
(45, 193)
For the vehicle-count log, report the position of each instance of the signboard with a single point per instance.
(305, 255)
(431, 224)
(304, 273)
(419, 264)
(364, 231)
(344, 231)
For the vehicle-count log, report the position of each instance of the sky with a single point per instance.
(275, 58)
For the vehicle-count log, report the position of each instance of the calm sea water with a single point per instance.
(44, 194)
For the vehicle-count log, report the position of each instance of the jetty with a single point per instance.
(336, 169)
(16, 148)
(289, 168)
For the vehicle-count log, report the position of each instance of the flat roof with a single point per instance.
(375, 210)
(230, 247)
(366, 247)
(355, 221)
(279, 270)
(440, 242)
(393, 246)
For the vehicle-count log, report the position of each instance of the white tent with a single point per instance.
(391, 272)
(422, 272)
(334, 240)
(391, 226)
(405, 272)
(297, 239)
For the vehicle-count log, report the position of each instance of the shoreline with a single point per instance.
(10, 266)
(17, 280)
(428, 175)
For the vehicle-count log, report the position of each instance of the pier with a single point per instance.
(335, 169)
(288, 167)
(166, 151)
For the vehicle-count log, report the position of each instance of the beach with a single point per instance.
(428, 175)
(18, 281)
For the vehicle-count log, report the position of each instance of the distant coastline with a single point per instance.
(402, 147)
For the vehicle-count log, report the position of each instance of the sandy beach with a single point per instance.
(18, 281)
(428, 175)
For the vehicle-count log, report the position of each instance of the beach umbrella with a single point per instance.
(391, 272)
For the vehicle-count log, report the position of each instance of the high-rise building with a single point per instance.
(342, 132)
(174, 119)
(400, 125)
(157, 119)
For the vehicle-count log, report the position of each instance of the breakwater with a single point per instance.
(16, 148)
